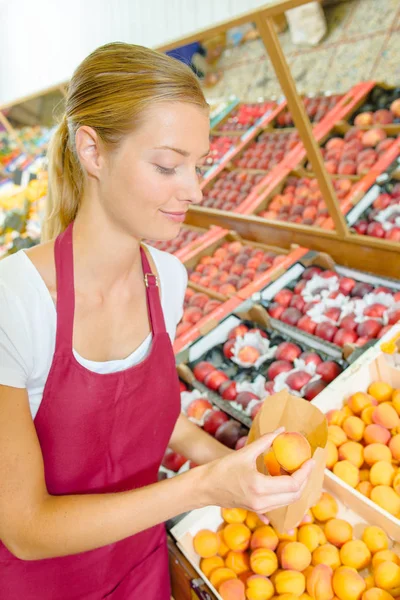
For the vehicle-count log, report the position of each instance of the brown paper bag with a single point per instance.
(295, 414)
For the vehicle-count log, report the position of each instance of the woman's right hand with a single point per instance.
(234, 481)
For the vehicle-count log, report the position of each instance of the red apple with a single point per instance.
(311, 357)
(393, 234)
(227, 390)
(237, 331)
(369, 329)
(291, 316)
(182, 386)
(260, 331)
(287, 351)
(244, 398)
(228, 348)
(284, 297)
(197, 408)
(333, 313)
(346, 284)
(297, 301)
(313, 389)
(269, 387)
(326, 331)
(307, 324)
(375, 310)
(277, 367)
(173, 461)
(329, 274)
(394, 315)
(361, 289)
(275, 310)
(349, 322)
(213, 421)
(375, 229)
(329, 370)
(298, 380)
(248, 354)
(202, 369)
(345, 336)
(214, 379)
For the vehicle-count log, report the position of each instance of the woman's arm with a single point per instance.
(35, 525)
(194, 443)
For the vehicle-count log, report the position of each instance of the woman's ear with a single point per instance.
(89, 150)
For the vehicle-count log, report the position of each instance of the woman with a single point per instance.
(89, 396)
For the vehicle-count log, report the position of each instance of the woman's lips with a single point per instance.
(177, 217)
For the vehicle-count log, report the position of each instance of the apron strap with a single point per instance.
(64, 262)
(153, 290)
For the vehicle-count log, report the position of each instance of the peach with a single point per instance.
(346, 471)
(353, 452)
(354, 428)
(259, 588)
(290, 582)
(385, 415)
(253, 521)
(335, 417)
(326, 555)
(358, 402)
(291, 450)
(387, 576)
(223, 548)
(365, 488)
(264, 537)
(376, 434)
(237, 561)
(382, 473)
(319, 583)
(234, 515)
(295, 556)
(394, 446)
(237, 536)
(208, 565)
(366, 415)
(396, 483)
(375, 452)
(386, 498)
(206, 543)
(263, 562)
(348, 584)
(336, 435)
(381, 391)
(375, 539)
(338, 532)
(333, 456)
(355, 554)
(384, 556)
(375, 593)
(326, 508)
(311, 536)
(218, 576)
(232, 589)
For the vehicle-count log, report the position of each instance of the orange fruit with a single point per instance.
(237, 536)
(381, 391)
(206, 543)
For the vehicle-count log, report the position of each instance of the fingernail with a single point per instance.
(279, 430)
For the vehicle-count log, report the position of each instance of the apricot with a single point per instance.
(290, 582)
(355, 554)
(385, 415)
(385, 497)
(353, 452)
(336, 435)
(347, 472)
(327, 554)
(376, 434)
(287, 536)
(218, 576)
(348, 584)
(358, 402)
(382, 473)
(272, 465)
(206, 543)
(275, 575)
(375, 593)
(307, 572)
(384, 556)
(208, 565)
(381, 391)
(232, 589)
(264, 537)
(291, 449)
(319, 583)
(223, 548)
(234, 515)
(375, 539)
(364, 474)
(263, 561)
(237, 561)
(347, 411)
(237, 536)
(259, 588)
(376, 452)
(295, 556)
(365, 488)
(394, 446)
(335, 417)
(396, 483)
(311, 536)
(338, 532)
(387, 576)
(253, 521)
(333, 456)
(326, 508)
(354, 428)
(279, 550)
(366, 415)
(396, 400)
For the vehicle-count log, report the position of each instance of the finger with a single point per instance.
(279, 501)
(261, 445)
(286, 488)
(263, 519)
(304, 472)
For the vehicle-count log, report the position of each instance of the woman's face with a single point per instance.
(151, 180)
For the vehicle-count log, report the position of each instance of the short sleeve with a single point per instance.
(14, 340)
(183, 281)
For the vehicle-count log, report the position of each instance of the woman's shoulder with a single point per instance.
(168, 265)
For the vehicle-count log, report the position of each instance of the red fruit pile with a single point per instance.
(386, 205)
(268, 151)
(301, 201)
(196, 306)
(230, 189)
(316, 108)
(233, 266)
(219, 146)
(245, 115)
(382, 116)
(355, 153)
(186, 236)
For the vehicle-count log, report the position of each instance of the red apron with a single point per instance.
(101, 433)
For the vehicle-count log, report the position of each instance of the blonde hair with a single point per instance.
(109, 92)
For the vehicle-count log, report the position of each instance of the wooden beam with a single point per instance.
(269, 36)
(11, 131)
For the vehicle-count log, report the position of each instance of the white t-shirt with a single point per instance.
(28, 323)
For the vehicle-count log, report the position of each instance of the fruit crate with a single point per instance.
(190, 238)
(238, 267)
(219, 110)
(258, 379)
(374, 109)
(316, 285)
(318, 107)
(377, 214)
(374, 366)
(243, 117)
(210, 518)
(270, 148)
(348, 102)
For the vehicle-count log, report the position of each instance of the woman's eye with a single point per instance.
(165, 170)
